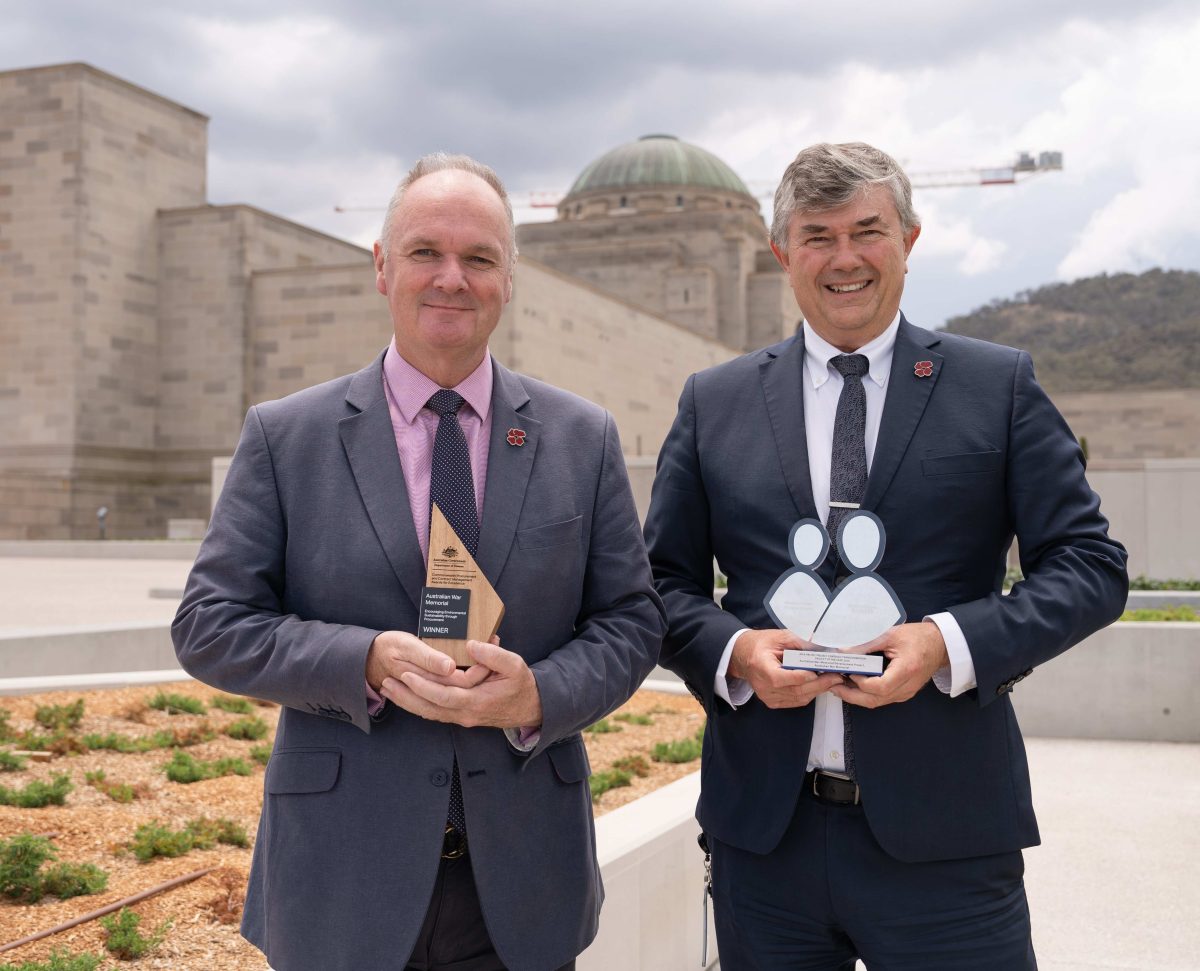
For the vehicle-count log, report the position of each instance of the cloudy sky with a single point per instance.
(315, 105)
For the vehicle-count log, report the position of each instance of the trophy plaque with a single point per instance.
(858, 611)
(458, 604)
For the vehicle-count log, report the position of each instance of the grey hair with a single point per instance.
(441, 162)
(826, 176)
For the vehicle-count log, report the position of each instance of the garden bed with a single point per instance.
(92, 827)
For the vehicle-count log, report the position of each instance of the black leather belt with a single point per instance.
(833, 789)
(454, 844)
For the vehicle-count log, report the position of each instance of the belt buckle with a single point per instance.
(818, 774)
(454, 844)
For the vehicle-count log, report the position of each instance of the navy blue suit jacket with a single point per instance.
(966, 459)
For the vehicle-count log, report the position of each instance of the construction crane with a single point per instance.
(1025, 166)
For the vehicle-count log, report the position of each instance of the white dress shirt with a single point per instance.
(822, 387)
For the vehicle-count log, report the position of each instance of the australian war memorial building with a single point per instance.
(138, 321)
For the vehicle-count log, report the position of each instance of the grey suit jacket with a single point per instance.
(312, 552)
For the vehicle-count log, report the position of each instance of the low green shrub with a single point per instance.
(125, 941)
(59, 718)
(10, 762)
(186, 769)
(66, 880)
(601, 782)
(176, 704)
(250, 729)
(154, 839)
(37, 794)
(24, 878)
(629, 718)
(1143, 582)
(58, 961)
(635, 764)
(603, 727)
(260, 753)
(1178, 613)
(6, 733)
(116, 791)
(683, 750)
(235, 706)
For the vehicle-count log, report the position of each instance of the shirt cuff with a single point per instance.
(375, 701)
(733, 691)
(959, 675)
(523, 739)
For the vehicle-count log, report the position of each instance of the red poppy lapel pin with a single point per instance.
(516, 436)
(922, 369)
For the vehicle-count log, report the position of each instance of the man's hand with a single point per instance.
(915, 652)
(393, 652)
(506, 696)
(757, 658)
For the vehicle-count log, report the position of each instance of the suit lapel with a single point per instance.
(508, 470)
(781, 376)
(907, 396)
(370, 445)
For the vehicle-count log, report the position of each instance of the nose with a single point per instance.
(845, 255)
(451, 277)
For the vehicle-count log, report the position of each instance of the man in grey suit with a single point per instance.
(306, 592)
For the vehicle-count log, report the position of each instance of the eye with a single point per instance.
(869, 234)
(424, 253)
(481, 261)
(816, 240)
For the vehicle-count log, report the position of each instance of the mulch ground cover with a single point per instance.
(93, 827)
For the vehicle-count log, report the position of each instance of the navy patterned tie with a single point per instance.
(848, 475)
(452, 488)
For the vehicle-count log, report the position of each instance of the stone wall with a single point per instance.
(1135, 424)
(690, 265)
(85, 161)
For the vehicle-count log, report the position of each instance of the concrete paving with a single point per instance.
(52, 593)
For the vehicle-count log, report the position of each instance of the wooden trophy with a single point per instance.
(458, 604)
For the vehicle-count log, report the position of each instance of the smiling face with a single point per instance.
(847, 266)
(447, 273)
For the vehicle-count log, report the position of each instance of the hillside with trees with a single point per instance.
(1121, 331)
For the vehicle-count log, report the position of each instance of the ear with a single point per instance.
(780, 255)
(911, 238)
(380, 279)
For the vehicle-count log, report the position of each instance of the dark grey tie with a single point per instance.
(452, 487)
(848, 465)
(848, 474)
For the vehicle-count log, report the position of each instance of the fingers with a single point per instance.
(496, 658)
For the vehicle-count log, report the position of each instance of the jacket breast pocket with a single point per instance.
(570, 760)
(551, 534)
(303, 770)
(963, 463)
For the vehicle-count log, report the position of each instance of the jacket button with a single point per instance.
(439, 777)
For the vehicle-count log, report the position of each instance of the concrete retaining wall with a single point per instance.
(103, 549)
(1129, 681)
(86, 650)
(653, 871)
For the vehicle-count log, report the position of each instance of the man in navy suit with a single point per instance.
(879, 819)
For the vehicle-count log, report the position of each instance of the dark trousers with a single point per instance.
(828, 895)
(454, 936)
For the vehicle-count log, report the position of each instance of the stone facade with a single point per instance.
(86, 161)
(1134, 424)
(138, 323)
(703, 263)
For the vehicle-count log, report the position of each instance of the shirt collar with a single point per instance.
(818, 352)
(411, 388)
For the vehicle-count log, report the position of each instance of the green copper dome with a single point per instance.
(657, 160)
